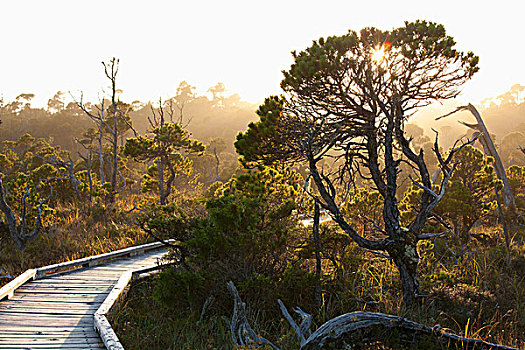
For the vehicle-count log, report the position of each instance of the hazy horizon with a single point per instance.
(58, 45)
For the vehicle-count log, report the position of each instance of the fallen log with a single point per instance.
(356, 330)
(360, 330)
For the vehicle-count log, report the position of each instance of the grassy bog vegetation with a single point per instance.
(88, 178)
(472, 289)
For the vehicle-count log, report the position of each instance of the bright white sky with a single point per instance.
(58, 45)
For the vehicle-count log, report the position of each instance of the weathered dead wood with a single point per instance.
(356, 330)
(9, 289)
(107, 128)
(18, 231)
(302, 330)
(490, 150)
(97, 259)
(4, 274)
(317, 250)
(64, 165)
(363, 328)
(101, 323)
(242, 332)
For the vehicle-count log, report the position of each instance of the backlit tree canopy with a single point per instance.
(347, 99)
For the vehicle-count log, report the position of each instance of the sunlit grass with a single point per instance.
(75, 233)
(480, 295)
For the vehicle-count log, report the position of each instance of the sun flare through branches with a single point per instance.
(380, 51)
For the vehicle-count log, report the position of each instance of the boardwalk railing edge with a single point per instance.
(9, 289)
(102, 325)
(33, 274)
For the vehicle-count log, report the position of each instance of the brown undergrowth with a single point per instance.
(475, 290)
(75, 233)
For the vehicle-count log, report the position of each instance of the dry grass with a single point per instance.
(143, 323)
(479, 294)
(73, 234)
(474, 290)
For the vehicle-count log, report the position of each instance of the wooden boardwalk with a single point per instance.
(57, 311)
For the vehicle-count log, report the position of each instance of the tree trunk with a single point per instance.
(115, 152)
(101, 155)
(490, 150)
(317, 247)
(90, 179)
(406, 258)
(408, 277)
(161, 165)
(18, 232)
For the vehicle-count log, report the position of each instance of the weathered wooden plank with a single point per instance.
(101, 323)
(9, 289)
(101, 274)
(51, 341)
(57, 294)
(29, 318)
(59, 312)
(30, 303)
(89, 275)
(79, 330)
(59, 298)
(63, 298)
(48, 319)
(47, 311)
(44, 283)
(76, 274)
(115, 293)
(64, 287)
(57, 346)
(77, 278)
(96, 259)
(107, 333)
(110, 269)
(46, 323)
(43, 325)
(67, 337)
(49, 305)
(81, 272)
(124, 264)
(45, 335)
(61, 347)
(74, 340)
(151, 256)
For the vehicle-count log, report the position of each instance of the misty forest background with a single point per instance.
(241, 224)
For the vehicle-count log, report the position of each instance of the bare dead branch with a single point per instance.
(371, 327)
(503, 220)
(490, 150)
(18, 234)
(242, 332)
(433, 235)
(4, 274)
(423, 187)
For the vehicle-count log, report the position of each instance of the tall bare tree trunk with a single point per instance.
(101, 155)
(161, 166)
(114, 169)
(490, 150)
(317, 249)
